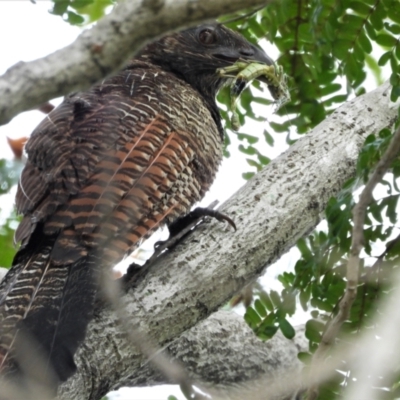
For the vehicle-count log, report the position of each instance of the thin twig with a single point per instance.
(242, 16)
(378, 366)
(353, 264)
(376, 268)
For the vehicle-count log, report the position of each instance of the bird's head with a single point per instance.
(196, 54)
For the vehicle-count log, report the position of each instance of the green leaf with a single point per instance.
(75, 19)
(263, 159)
(267, 331)
(255, 28)
(286, 328)
(352, 69)
(313, 330)
(304, 250)
(378, 16)
(341, 48)
(251, 317)
(247, 175)
(279, 127)
(370, 30)
(372, 64)
(376, 212)
(289, 299)
(353, 23)
(391, 203)
(79, 4)
(304, 297)
(393, 63)
(250, 150)
(360, 7)
(335, 99)
(8, 250)
(394, 15)
(304, 357)
(251, 139)
(364, 42)
(60, 7)
(384, 58)
(394, 79)
(393, 28)
(253, 163)
(259, 306)
(275, 298)
(266, 301)
(330, 88)
(386, 40)
(395, 93)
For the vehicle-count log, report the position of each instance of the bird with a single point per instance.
(104, 170)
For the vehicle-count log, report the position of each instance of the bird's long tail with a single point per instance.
(46, 305)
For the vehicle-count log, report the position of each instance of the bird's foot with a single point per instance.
(184, 225)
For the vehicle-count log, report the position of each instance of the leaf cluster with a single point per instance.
(269, 312)
(9, 175)
(326, 49)
(319, 278)
(80, 12)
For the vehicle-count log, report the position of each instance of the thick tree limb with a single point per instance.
(272, 211)
(103, 49)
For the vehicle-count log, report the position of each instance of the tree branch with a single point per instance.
(353, 265)
(103, 49)
(378, 367)
(272, 211)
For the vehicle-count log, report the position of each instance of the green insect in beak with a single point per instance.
(246, 72)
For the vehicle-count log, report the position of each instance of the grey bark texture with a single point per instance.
(103, 49)
(272, 211)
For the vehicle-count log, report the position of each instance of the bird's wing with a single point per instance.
(109, 166)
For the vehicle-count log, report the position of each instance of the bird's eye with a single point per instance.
(207, 36)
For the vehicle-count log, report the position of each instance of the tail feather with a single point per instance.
(47, 303)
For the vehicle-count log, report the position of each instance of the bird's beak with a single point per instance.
(261, 57)
(248, 53)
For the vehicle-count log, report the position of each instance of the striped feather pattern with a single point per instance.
(105, 169)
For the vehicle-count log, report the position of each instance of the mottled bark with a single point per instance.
(272, 211)
(102, 50)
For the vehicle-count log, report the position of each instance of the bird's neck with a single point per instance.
(207, 87)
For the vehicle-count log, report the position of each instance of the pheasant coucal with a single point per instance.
(105, 169)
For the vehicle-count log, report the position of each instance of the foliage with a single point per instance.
(80, 12)
(9, 174)
(318, 280)
(326, 48)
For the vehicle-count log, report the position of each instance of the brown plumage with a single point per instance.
(106, 168)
